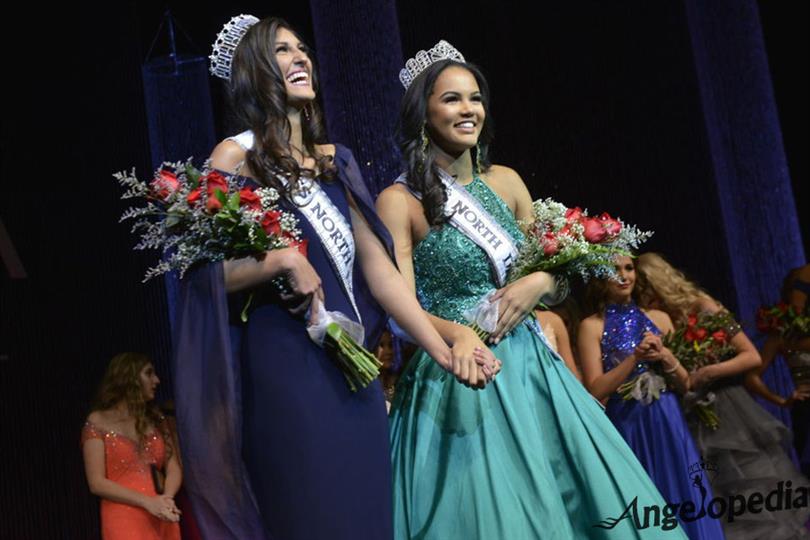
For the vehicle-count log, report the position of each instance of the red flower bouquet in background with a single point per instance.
(704, 340)
(782, 319)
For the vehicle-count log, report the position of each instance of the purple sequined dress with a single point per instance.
(657, 432)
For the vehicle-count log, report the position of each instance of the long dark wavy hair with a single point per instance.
(121, 383)
(421, 171)
(257, 99)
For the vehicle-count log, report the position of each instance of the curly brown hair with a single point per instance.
(121, 383)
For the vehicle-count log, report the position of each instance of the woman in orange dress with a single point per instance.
(130, 455)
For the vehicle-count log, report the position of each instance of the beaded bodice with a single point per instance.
(625, 325)
(128, 461)
(452, 273)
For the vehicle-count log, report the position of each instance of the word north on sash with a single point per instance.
(469, 215)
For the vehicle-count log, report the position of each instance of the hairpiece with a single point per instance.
(227, 41)
(423, 59)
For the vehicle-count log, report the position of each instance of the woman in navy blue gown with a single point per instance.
(622, 343)
(275, 444)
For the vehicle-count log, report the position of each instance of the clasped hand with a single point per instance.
(651, 348)
(517, 300)
(796, 396)
(473, 364)
(163, 507)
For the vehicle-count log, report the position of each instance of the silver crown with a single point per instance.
(227, 41)
(423, 59)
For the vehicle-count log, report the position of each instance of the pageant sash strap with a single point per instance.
(331, 227)
(476, 223)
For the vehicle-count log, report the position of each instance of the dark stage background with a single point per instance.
(670, 114)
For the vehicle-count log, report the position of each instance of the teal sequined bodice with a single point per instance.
(452, 273)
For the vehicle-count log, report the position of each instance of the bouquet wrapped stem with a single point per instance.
(358, 365)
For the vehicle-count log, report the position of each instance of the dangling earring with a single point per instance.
(425, 144)
(479, 168)
(424, 149)
(306, 111)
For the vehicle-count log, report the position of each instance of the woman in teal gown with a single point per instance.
(532, 454)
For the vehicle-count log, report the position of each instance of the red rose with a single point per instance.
(271, 222)
(594, 232)
(689, 335)
(550, 244)
(193, 197)
(612, 226)
(213, 204)
(164, 184)
(213, 181)
(691, 321)
(247, 197)
(574, 214)
(719, 336)
(700, 334)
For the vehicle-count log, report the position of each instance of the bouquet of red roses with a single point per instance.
(782, 319)
(703, 341)
(567, 242)
(204, 216)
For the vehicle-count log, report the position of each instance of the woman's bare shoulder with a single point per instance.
(227, 156)
(593, 323)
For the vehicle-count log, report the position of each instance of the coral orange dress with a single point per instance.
(129, 465)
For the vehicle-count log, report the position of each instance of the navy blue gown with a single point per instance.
(281, 448)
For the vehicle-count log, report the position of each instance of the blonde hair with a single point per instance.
(656, 279)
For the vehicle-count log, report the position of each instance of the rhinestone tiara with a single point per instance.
(423, 59)
(227, 41)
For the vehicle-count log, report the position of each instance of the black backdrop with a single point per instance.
(595, 105)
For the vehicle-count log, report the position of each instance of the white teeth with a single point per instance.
(299, 77)
(465, 125)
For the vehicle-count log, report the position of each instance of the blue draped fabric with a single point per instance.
(762, 235)
(359, 56)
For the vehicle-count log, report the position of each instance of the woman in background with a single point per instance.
(621, 344)
(796, 350)
(130, 456)
(749, 446)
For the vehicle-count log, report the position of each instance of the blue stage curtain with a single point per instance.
(359, 57)
(180, 120)
(762, 235)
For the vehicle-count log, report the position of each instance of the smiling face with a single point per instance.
(149, 381)
(455, 111)
(621, 291)
(295, 66)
